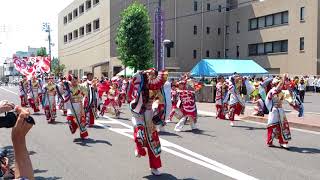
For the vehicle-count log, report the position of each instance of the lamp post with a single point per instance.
(46, 28)
(164, 44)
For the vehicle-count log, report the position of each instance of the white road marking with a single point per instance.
(9, 91)
(205, 113)
(184, 153)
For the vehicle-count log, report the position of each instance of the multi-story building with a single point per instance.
(282, 36)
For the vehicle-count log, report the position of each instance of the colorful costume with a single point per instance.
(75, 111)
(112, 101)
(33, 90)
(91, 101)
(49, 101)
(236, 103)
(61, 92)
(278, 126)
(220, 95)
(144, 120)
(23, 89)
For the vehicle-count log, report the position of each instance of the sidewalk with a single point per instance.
(308, 122)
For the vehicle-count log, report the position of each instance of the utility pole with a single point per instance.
(46, 28)
(159, 37)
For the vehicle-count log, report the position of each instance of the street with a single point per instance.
(216, 151)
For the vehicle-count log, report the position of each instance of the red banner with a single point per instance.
(32, 66)
(188, 103)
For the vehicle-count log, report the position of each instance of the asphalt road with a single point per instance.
(217, 151)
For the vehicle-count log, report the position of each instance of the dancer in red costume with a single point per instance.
(144, 120)
(33, 90)
(112, 103)
(49, 100)
(91, 99)
(23, 89)
(220, 95)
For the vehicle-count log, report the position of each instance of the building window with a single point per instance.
(96, 24)
(70, 17)
(238, 52)
(302, 44)
(208, 7)
(88, 28)
(219, 8)
(208, 30)
(95, 2)
(280, 18)
(302, 9)
(268, 47)
(226, 52)
(76, 34)
(195, 6)
(207, 53)
(227, 29)
(65, 20)
(70, 36)
(238, 27)
(219, 31)
(195, 30)
(81, 9)
(88, 4)
(75, 13)
(218, 54)
(81, 31)
(65, 38)
(194, 54)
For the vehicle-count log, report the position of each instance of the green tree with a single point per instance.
(42, 52)
(57, 68)
(134, 44)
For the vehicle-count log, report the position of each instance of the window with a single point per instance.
(208, 7)
(95, 2)
(219, 8)
(70, 17)
(207, 53)
(76, 34)
(194, 54)
(218, 54)
(219, 31)
(269, 20)
(285, 18)
(88, 4)
(262, 22)
(253, 24)
(226, 52)
(65, 38)
(195, 30)
(208, 30)
(238, 27)
(70, 36)
(75, 13)
(195, 6)
(81, 9)
(65, 20)
(81, 31)
(268, 47)
(302, 13)
(302, 44)
(238, 52)
(88, 28)
(96, 24)
(227, 29)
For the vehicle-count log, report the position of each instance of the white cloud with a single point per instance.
(21, 24)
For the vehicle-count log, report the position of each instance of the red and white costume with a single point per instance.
(142, 89)
(61, 92)
(112, 101)
(49, 101)
(23, 89)
(91, 101)
(33, 90)
(220, 105)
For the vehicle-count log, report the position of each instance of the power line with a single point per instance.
(169, 19)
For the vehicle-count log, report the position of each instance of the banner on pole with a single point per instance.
(32, 66)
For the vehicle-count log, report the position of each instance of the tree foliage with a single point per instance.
(134, 43)
(57, 68)
(42, 52)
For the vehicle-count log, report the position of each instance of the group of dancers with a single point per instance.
(154, 101)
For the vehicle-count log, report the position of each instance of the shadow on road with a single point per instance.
(165, 176)
(250, 128)
(47, 178)
(166, 133)
(304, 150)
(87, 142)
(199, 132)
(38, 171)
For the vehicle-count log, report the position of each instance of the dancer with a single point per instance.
(144, 120)
(220, 95)
(91, 99)
(278, 126)
(75, 111)
(33, 90)
(23, 88)
(112, 101)
(49, 100)
(61, 92)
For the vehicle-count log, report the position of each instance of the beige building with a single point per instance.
(282, 36)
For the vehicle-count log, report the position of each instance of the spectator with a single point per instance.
(259, 106)
(302, 89)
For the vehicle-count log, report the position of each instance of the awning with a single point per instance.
(214, 67)
(129, 72)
